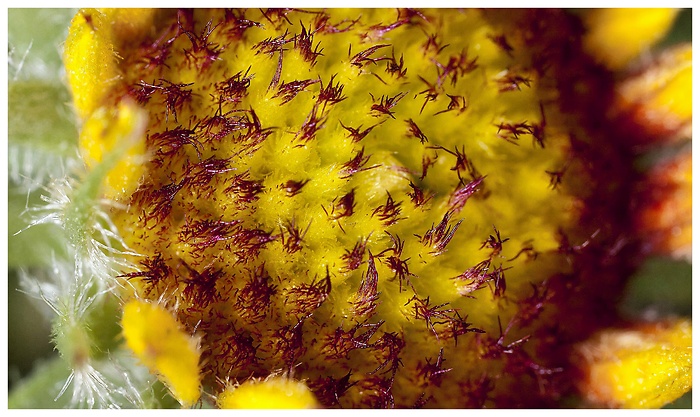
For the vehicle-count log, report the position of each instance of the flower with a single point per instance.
(372, 208)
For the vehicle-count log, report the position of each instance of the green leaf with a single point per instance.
(41, 131)
(685, 402)
(35, 37)
(25, 343)
(42, 143)
(680, 32)
(662, 285)
(41, 127)
(40, 389)
(39, 113)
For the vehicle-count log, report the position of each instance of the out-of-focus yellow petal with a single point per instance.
(118, 133)
(675, 94)
(660, 98)
(129, 23)
(617, 36)
(643, 367)
(664, 211)
(274, 392)
(154, 335)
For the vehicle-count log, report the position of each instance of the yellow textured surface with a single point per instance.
(616, 36)
(272, 393)
(345, 198)
(646, 367)
(116, 132)
(90, 61)
(158, 341)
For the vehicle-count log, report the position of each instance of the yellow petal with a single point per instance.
(274, 392)
(664, 212)
(660, 99)
(129, 23)
(91, 52)
(647, 366)
(90, 61)
(617, 36)
(154, 335)
(116, 133)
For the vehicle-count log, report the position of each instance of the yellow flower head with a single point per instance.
(397, 207)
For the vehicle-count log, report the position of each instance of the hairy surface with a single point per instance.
(395, 206)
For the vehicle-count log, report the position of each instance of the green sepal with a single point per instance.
(35, 37)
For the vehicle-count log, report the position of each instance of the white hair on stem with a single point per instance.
(77, 284)
(30, 168)
(70, 292)
(93, 386)
(89, 388)
(97, 245)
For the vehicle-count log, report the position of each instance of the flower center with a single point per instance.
(370, 200)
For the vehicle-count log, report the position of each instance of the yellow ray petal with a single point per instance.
(665, 210)
(274, 392)
(661, 97)
(617, 36)
(91, 65)
(157, 340)
(90, 57)
(647, 366)
(116, 133)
